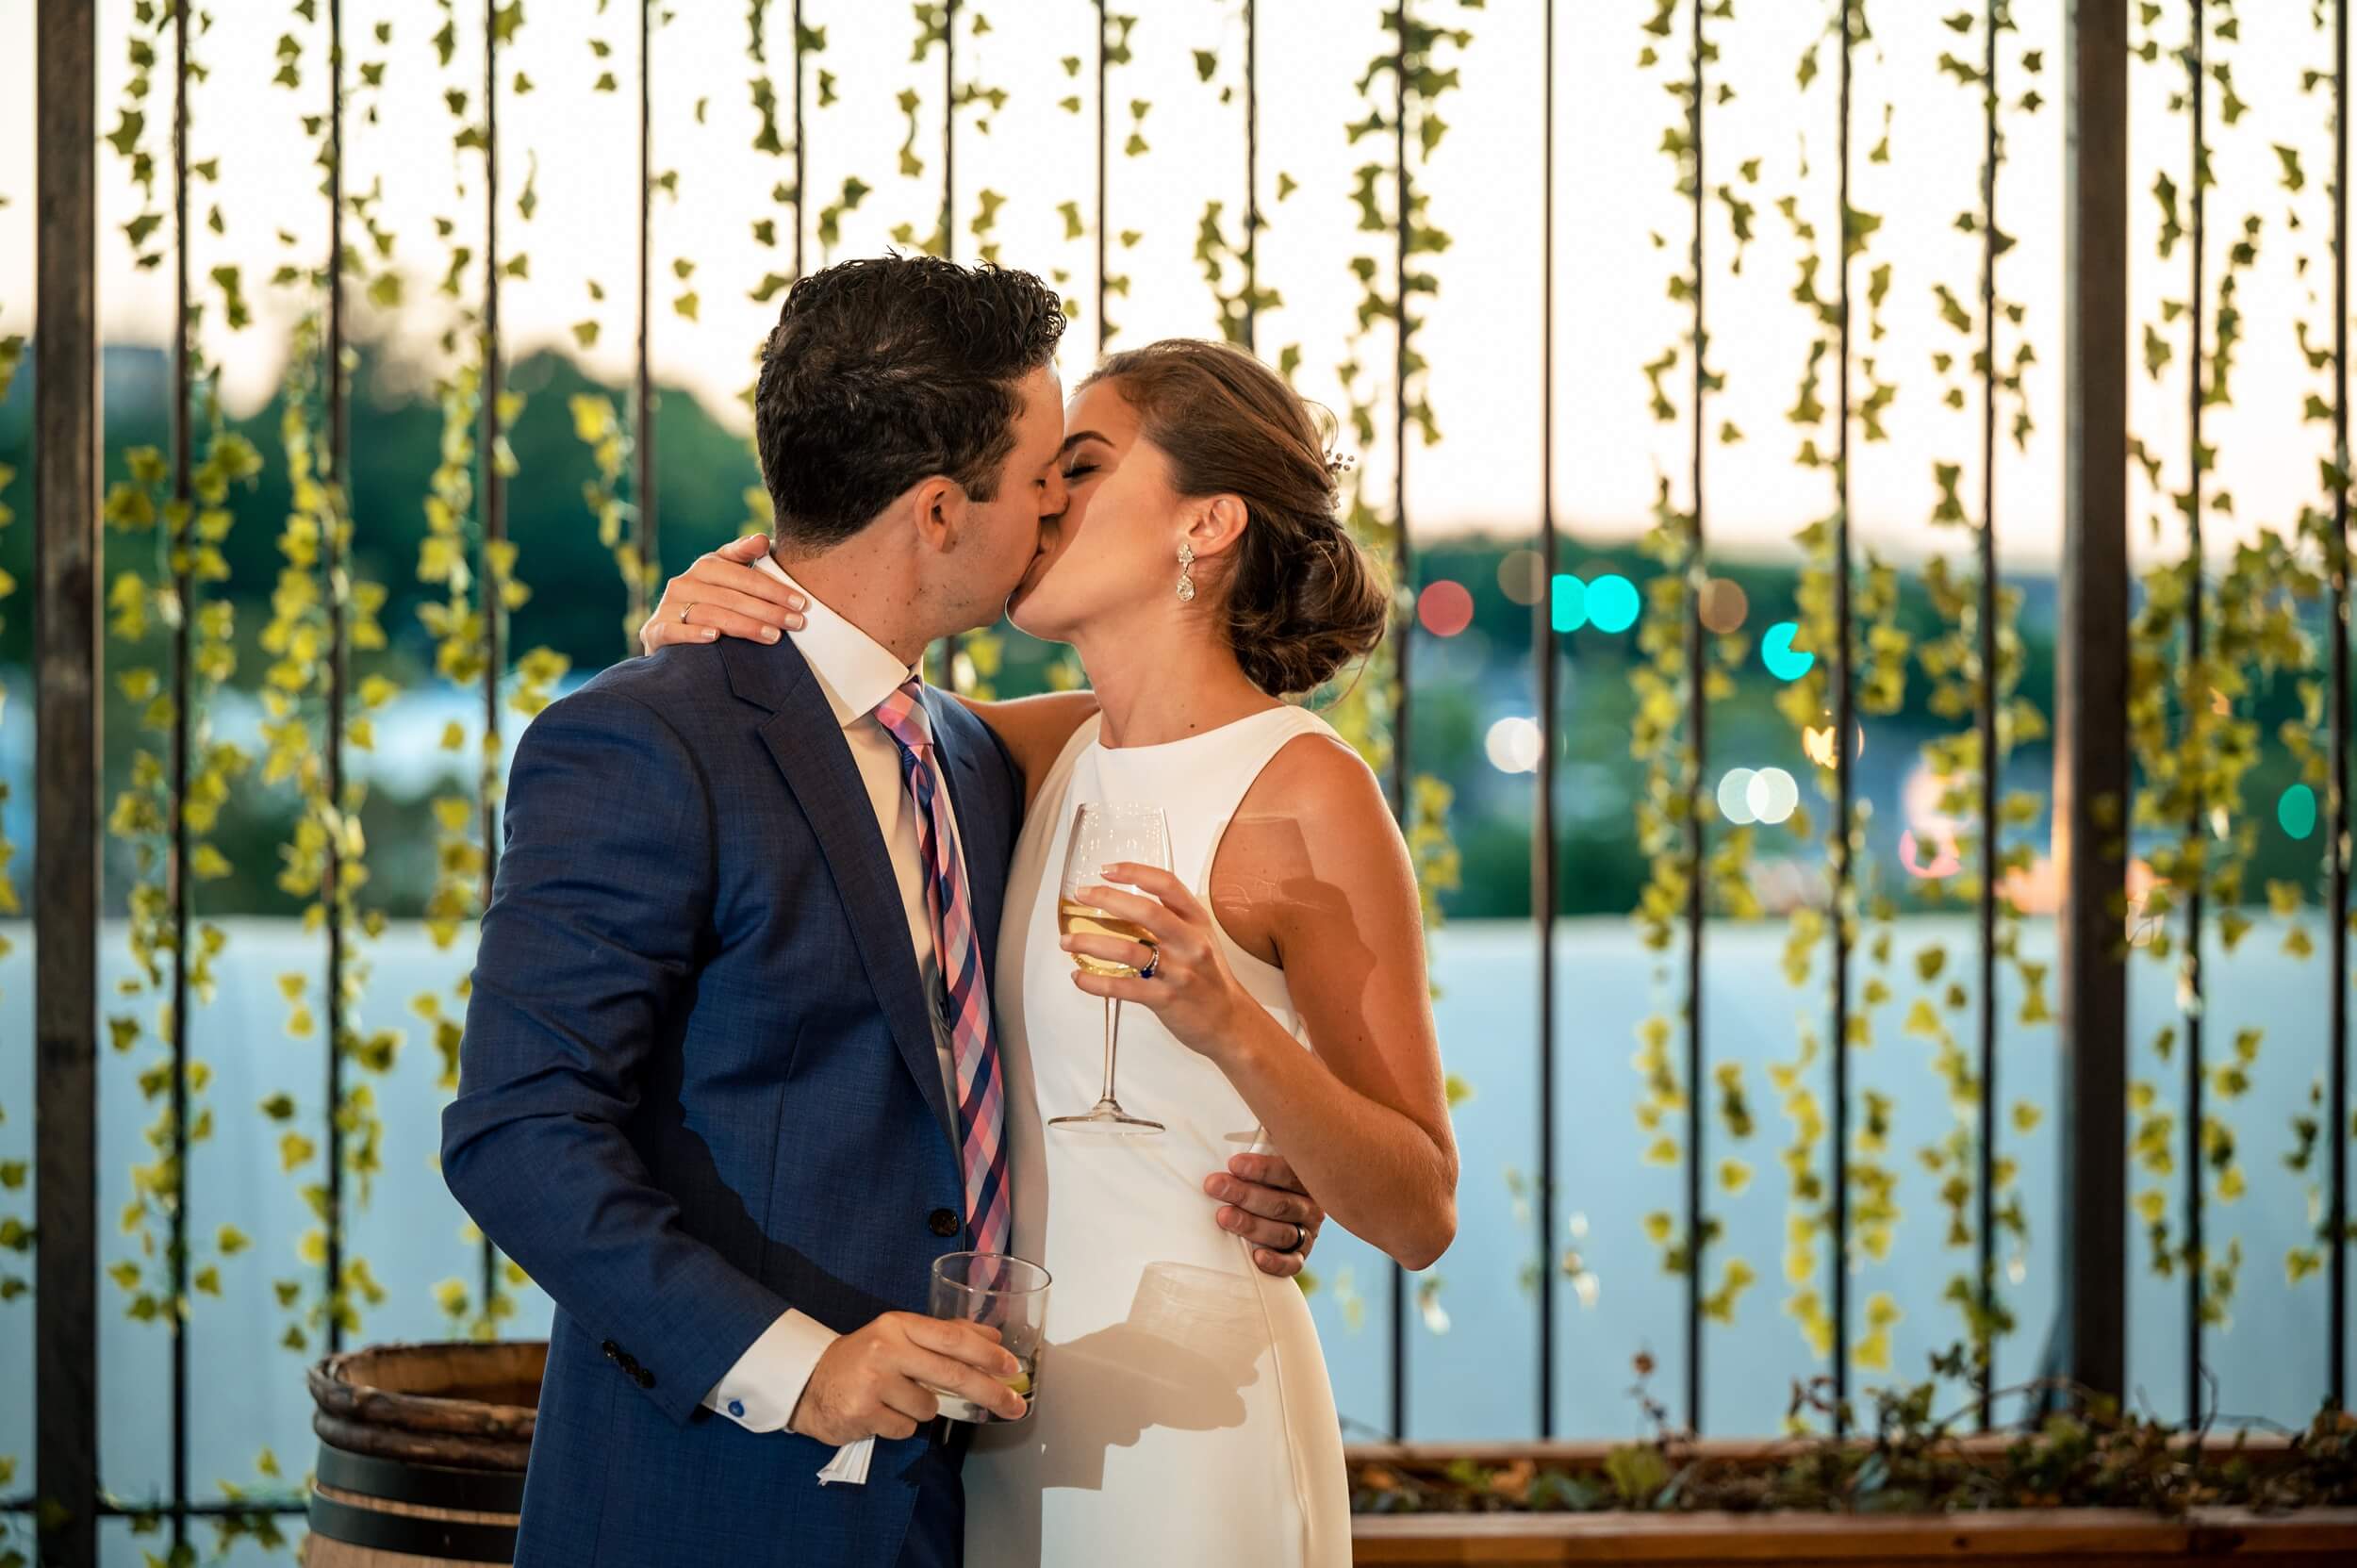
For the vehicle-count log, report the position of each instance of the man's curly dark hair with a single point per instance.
(887, 370)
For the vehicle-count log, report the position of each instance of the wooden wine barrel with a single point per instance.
(422, 1453)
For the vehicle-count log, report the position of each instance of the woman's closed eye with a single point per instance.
(1079, 470)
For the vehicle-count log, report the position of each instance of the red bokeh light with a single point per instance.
(1445, 609)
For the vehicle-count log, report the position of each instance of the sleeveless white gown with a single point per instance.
(1184, 1416)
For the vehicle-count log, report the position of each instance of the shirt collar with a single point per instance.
(853, 669)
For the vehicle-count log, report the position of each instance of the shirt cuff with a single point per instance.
(760, 1392)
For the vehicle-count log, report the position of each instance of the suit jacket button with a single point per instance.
(612, 1352)
(646, 1378)
(944, 1222)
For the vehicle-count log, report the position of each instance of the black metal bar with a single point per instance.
(2196, 833)
(1102, 133)
(801, 165)
(178, 540)
(949, 644)
(2091, 698)
(2336, 814)
(1844, 755)
(494, 499)
(1698, 750)
(66, 767)
(1252, 176)
(1985, 1181)
(335, 567)
(1542, 864)
(948, 128)
(1403, 763)
(642, 442)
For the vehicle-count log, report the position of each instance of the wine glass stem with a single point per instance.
(1113, 1033)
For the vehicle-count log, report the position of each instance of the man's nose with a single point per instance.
(1055, 498)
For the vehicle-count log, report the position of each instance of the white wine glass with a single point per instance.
(1105, 833)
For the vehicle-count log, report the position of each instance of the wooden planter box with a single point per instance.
(2030, 1538)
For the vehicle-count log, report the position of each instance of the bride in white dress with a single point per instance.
(1185, 1412)
(1184, 1415)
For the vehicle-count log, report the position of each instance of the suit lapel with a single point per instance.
(809, 749)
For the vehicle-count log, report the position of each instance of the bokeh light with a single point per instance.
(1446, 608)
(1568, 608)
(1724, 604)
(1523, 576)
(1817, 741)
(1784, 661)
(2297, 810)
(1772, 795)
(1612, 604)
(1734, 796)
(1515, 745)
(1947, 856)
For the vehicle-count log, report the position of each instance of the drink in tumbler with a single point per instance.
(1000, 1291)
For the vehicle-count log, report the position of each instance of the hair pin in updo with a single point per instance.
(1340, 463)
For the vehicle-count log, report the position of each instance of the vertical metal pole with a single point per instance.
(1543, 867)
(494, 513)
(334, 564)
(1102, 133)
(642, 443)
(178, 538)
(1698, 743)
(1402, 762)
(1991, 863)
(65, 775)
(2091, 696)
(2336, 814)
(2197, 830)
(949, 226)
(1844, 755)
(801, 165)
(949, 130)
(1252, 176)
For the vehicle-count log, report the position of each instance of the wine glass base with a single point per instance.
(1107, 1122)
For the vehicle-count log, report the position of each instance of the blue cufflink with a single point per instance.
(737, 1408)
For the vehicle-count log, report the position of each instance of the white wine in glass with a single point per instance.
(1106, 833)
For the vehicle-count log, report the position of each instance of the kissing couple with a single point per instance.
(775, 1007)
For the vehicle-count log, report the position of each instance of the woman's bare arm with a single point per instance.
(1035, 730)
(1313, 875)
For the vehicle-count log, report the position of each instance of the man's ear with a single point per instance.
(938, 505)
(1217, 525)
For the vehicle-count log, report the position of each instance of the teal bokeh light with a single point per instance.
(1612, 604)
(2297, 810)
(1567, 606)
(1784, 661)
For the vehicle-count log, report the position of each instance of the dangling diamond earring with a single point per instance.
(1186, 572)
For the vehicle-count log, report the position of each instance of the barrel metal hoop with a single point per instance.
(432, 1485)
(455, 1539)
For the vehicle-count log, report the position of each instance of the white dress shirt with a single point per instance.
(856, 673)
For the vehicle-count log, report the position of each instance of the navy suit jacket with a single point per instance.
(699, 1085)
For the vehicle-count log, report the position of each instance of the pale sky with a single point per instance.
(1614, 193)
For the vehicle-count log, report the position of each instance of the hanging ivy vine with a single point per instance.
(2319, 540)
(2193, 740)
(1962, 868)
(1228, 266)
(1665, 680)
(187, 537)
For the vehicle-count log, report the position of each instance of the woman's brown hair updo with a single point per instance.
(1302, 599)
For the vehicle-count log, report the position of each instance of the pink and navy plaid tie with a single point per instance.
(982, 1097)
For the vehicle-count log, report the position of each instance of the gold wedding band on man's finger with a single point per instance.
(682, 611)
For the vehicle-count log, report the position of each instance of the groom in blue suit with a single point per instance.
(710, 1086)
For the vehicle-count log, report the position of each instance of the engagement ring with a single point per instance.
(1152, 964)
